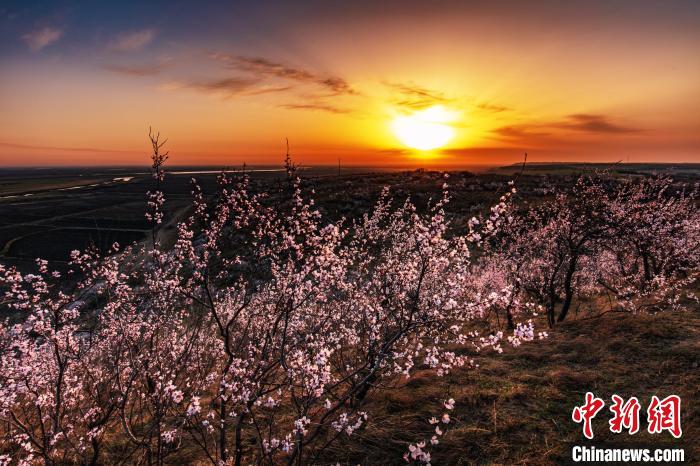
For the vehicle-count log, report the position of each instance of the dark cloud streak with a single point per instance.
(492, 108)
(415, 97)
(137, 70)
(520, 132)
(264, 68)
(316, 106)
(579, 122)
(61, 148)
(590, 123)
(235, 86)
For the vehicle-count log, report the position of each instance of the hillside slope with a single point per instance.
(516, 408)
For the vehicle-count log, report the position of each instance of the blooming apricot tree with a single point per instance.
(635, 240)
(258, 333)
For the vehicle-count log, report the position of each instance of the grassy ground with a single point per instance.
(516, 408)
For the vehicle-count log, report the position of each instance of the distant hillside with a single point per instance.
(560, 168)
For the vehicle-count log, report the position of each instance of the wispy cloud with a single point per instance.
(264, 68)
(578, 123)
(416, 97)
(336, 85)
(317, 107)
(40, 38)
(228, 87)
(593, 123)
(520, 132)
(492, 108)
(137, 70)
(11, 145)
(132, 40)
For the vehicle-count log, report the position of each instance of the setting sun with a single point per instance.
(425, 129)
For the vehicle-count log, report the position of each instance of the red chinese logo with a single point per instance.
(625, 415)
(661, 414)
(665, 415)
(587, 412)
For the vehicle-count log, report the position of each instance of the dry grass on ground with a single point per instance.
(516, 408)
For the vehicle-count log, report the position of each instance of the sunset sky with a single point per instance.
(81, 82)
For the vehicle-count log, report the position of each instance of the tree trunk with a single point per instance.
(364, 389)
(239, 440)
(550, 314)
(222, 432)
(552, 301)
(509, 317)
(95, 452)
(647, 269)
(568, 289)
